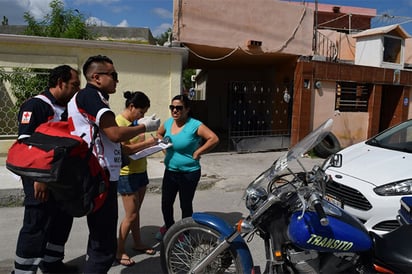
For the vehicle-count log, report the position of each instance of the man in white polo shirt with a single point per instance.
(89, 107)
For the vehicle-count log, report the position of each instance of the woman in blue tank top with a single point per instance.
(190, 139)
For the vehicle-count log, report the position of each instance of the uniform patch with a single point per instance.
(25, 118)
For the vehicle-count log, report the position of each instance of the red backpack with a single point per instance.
(66, 163)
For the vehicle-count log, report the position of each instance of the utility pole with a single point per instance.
(315, 30)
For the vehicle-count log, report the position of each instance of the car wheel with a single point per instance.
(329, 145)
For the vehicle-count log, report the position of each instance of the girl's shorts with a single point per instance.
(129, 184)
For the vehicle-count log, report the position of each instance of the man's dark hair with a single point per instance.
(61, 72)
(95, 59)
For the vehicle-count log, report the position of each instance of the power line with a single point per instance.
(388, 19)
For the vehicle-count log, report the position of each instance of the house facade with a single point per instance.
(364, 89)
(152, 69)
(269, 72)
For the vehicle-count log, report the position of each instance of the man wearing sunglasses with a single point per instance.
(90, 107)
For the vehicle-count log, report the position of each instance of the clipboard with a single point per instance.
(161, 145)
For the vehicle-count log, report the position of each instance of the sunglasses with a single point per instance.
(178, 108)
(113, 74)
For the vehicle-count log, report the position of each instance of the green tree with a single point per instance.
(25, 83)
(5, 21)
(164, 37)
(61, 23)
(187, 78)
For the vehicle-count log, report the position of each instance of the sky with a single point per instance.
(154, 14)
(158, 14)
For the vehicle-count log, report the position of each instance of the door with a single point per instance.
(391, 107)
(259, 116)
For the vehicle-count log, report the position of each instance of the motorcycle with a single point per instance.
(303, 232)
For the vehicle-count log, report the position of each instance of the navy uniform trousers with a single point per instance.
(102, 243)
(43, 235)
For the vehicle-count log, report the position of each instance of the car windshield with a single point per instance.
(398, 138)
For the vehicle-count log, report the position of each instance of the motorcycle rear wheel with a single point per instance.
(187, 242)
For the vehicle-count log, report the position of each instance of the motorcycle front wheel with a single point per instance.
(187, 242)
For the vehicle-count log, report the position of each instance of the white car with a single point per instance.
(373, 177)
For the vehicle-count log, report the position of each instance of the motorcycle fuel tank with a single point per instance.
(344, 233)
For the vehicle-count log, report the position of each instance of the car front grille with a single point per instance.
(349, 196)
(387, 225)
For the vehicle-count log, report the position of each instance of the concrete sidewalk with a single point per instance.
(229, 171)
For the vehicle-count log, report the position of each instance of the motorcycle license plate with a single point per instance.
(334, 200)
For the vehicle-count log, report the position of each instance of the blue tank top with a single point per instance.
(179, 156)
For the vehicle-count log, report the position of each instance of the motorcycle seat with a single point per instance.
(394, 248)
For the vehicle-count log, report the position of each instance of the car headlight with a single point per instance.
(396, 188)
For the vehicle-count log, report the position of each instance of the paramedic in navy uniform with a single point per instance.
(45, 227)
(91, 105)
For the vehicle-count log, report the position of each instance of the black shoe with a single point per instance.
(58, 267)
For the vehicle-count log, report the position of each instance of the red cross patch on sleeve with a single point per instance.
(25, 118)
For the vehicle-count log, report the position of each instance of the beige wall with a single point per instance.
(408, 51)
(346, 44)
(152, 69)
(280, 26)
(348, 127)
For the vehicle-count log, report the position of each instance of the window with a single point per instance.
(352, 97)
(392, 49)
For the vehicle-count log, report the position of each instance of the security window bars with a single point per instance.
(352, 97)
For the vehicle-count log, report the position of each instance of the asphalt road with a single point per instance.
(228, 205)
(224, 177)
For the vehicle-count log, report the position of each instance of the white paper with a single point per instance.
(150, 150)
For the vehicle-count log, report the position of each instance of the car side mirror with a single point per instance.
(336, 160)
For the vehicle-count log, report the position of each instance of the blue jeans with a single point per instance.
(185, 184)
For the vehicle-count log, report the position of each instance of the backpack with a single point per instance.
(66, 163)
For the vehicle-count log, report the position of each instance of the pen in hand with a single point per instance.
(154, 138)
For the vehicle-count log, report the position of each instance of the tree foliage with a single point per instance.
(164, 37)
(25, 83)
(60, 22)
(187, 78)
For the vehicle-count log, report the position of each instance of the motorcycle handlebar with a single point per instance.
(318, 175)
(315, 200)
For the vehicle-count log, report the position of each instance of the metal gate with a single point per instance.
(16, 85)
(259, 116)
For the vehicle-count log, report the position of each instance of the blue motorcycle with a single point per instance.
(303, 232)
